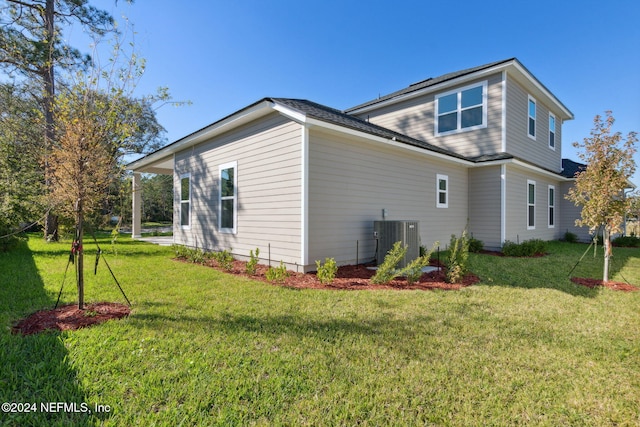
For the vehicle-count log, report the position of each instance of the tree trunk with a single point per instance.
(80, 253)
(47, 74)
(606, 236)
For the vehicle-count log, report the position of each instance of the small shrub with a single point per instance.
(413, 271)
(224, 259)
(570, 237)
(475, 245)
(626, 241)
(327, 272)
(525, 249)
(458, 258)
(250, 267)
(277, 274)
(387, 270)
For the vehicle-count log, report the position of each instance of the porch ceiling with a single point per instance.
(162, 166)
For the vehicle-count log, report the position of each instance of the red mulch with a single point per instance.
(352, 277)
(69, 317)
(592, 283)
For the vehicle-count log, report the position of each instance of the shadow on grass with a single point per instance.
(34, 369)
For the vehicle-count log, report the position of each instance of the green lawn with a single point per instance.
(524, 347)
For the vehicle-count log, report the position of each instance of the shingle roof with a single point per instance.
(430, 82)
(571, 168)
(337, 117)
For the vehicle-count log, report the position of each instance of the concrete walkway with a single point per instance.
(158, 240)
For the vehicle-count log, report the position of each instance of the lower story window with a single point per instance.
(552, 206)
(185, 200)
(531, 205)
(228, 200)
(442, 191)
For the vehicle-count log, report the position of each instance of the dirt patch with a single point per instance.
(353, 277)
(592, 283)
(69, 317)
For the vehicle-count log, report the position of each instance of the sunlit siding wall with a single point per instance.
(268, 156)
(352, 180)
(416, 118)
(484, 205)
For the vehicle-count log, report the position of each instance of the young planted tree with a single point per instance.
(600, 188)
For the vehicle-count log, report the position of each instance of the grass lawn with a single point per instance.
(524, 347)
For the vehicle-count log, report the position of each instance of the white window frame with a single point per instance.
(183, 202)
(234, 166)
(445, 178)
(551, 208)
(530, 205)
(531, 99)
(459, 109)
(552, 131)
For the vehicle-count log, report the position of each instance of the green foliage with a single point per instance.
(194, 255)
(413, 271)
(224, 259)
(570, 237)
(387, 270)
(327, 272)
(626, 241)
(527, 248)
(277, 274)
(457, 262)
(475, 245)
(250, 267)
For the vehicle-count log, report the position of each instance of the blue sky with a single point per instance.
(225, 55)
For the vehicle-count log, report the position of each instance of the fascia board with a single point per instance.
(540, 87)
(228, 123)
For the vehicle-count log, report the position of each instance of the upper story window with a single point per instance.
(228, 206)
(552, 131)
(185, 200)
(532, 118)
(461, 110)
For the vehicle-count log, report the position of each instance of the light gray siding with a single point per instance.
(518, 143)
(415, 118)
(485, 205)
(568, 215)
(352, 180)
(268, 156)
(517, 206)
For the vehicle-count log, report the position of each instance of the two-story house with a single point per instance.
(479, 148)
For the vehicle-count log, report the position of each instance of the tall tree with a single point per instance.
(32, 46)
(600, 188)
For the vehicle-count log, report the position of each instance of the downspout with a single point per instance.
(304, 197)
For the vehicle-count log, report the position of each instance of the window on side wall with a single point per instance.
(552, 131)
(552, 206)
(531, 205)
(185, 200)
(531, 133)
(442, 191)
(461, 110)
(228, 199)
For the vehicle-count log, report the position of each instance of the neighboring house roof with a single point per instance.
(437, 83)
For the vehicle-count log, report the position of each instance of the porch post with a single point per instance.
(136, 208)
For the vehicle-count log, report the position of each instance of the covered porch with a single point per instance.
(154, 164)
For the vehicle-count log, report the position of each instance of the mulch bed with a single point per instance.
(593, 283)
(69, 317)
(351, 277)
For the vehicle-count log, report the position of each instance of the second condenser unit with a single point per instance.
(389, 232)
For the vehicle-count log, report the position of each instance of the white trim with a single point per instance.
(503, 203)
(304, 203)
(189, 201)
(531, 182)
(503, 145)
(552, 116)
(458, 91)
(445, 178)
(234, 166)
(535, 118)
(508, 66)
(551, 204)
